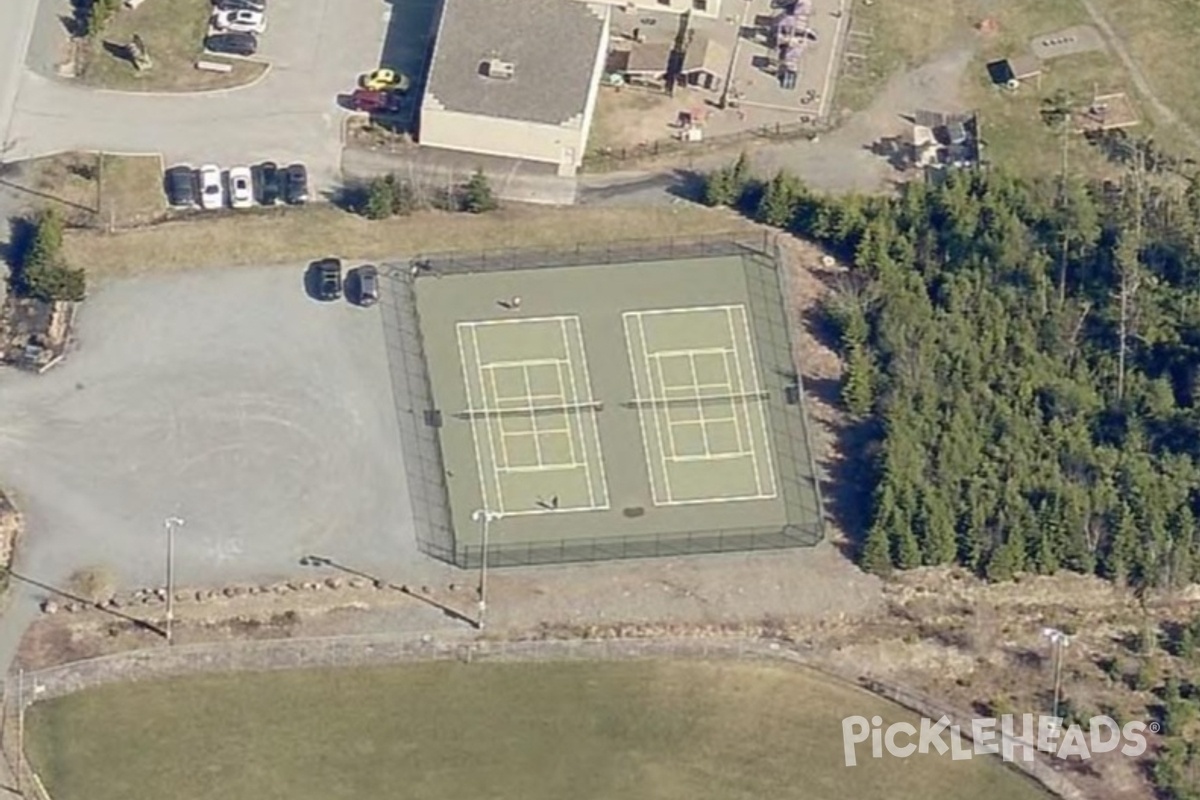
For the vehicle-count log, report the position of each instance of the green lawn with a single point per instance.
(451, 731)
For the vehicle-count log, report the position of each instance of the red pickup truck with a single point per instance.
(374, 102)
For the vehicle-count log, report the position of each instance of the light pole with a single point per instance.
(171, 523)
(1058, 641)
(484, 518)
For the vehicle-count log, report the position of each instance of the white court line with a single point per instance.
(499, 421)
(700, 404)
(462, 358)
(762, 408)
(654, 312)
(537, 440)
(633, 374)
(533, 362)
(595, 422)
(487, 323)
(665, 408)
(587, 474)
(657, 420)
(712, 457)
(737, 368)
(488, 427)
(703, 351)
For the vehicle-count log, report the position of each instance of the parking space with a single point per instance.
(228, 398)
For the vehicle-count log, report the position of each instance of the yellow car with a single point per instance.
(385, 80)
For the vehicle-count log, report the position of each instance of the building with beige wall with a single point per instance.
(516, 79)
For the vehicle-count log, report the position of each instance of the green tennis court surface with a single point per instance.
(533, 419)
(697, 393)
(635, 408)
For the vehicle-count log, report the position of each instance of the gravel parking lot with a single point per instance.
(230, 399)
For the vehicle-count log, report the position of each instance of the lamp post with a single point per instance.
(1058, 641)
(171, 523)
(485, 518)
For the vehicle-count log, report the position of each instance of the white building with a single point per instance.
(516, 79)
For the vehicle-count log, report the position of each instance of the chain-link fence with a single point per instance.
(375, 650)
(418, 418)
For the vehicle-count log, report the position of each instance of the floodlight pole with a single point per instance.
(485, 518)
(171, 523)
(1059, 641)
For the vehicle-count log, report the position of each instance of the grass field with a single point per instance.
(88, 187)
(521, 731)
(1157, 34)
(294, 235)
(173, 31)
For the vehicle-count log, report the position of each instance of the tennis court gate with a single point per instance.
(413, 394)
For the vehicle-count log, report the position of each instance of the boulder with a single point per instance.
(49, 607)
(334, 583)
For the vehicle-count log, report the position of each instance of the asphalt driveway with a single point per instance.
(261, 417)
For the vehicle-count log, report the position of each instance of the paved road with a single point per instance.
(16, 26)
(316, 49)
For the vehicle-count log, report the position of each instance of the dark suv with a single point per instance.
(328, 273)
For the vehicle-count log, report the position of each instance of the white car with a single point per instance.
(240, 20)
(212, 193)
(241, 188)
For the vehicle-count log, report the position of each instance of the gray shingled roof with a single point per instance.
(553, 44)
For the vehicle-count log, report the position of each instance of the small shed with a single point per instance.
(1012, 72)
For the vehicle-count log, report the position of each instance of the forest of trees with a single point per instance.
(1030, 354)
(1026, 356)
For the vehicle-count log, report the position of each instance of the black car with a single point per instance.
(267, 183)
(295, 184)
(233, 44)
(180, 185)
(366, 285)
(236, 5)
(329, 278)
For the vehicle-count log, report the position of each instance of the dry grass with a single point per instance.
(88, 187)
(173, 31)
(896, 36)
(295, 235)
(1160, 36)
(131, 190)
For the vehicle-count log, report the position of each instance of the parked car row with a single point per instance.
(241, 187)
(362, 283)
(235, 26)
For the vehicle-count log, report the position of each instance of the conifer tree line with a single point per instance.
(1029, 354)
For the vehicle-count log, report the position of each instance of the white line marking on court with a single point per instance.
(633, 373)
(537, 439)
(499, 421)
(664, 409)
(488, 426)
(762, 408)
(741, 384)
(487, 323)
(700, 405)
(587, 473)
(662, 453)
(703, 351)
(533, 362)
(654, 312)
(587, 382)
(462, 358)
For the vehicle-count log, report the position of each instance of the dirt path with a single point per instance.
(1139, 78)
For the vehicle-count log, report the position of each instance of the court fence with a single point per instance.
(26, 688)
(428, 493)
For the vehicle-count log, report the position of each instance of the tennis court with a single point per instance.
(617, 410)
(532, 415)
(701, 407)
